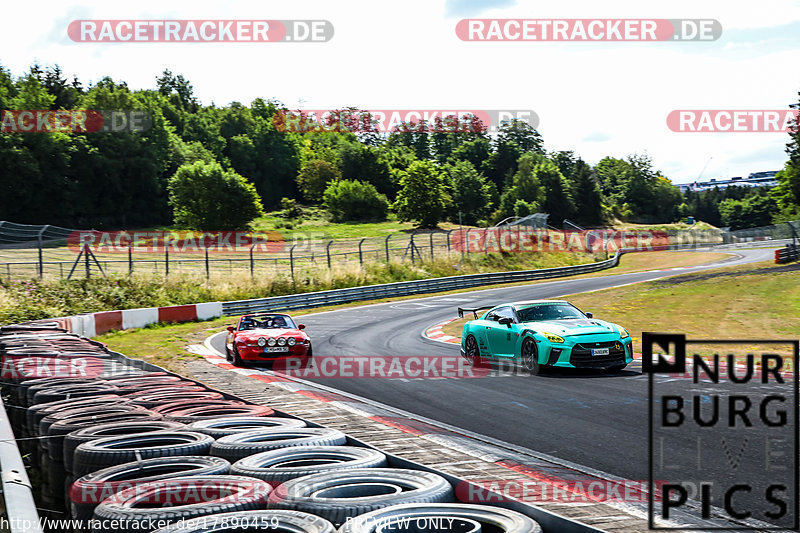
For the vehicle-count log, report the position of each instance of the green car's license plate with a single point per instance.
(600, 351)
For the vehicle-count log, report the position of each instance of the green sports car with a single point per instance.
(542, 333)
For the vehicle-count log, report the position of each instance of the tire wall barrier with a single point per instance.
(126, 447)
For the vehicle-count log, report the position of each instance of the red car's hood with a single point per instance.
(267, 332)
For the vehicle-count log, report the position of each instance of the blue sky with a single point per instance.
(597, 99)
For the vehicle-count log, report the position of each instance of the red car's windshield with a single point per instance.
(267, 322)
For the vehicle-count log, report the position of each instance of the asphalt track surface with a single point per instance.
(585, 417)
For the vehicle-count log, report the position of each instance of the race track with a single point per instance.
(587, 418)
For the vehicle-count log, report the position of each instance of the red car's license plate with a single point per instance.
(273, 349)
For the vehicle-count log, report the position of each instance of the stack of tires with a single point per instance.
(151, 451)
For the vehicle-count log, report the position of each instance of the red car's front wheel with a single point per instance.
(237, 359)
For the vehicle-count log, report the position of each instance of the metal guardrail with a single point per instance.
(788, 254)
(406, 288)
(19, 505)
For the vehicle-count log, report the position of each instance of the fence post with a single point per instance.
(465, 244)
(412, 245)
(327, 252)
(448, 241)
(252, 269)
(431, 240)
(86, 260)
(41, 259)
(166, 261)
(130, 259)
(386, 244)
(208, 270)
(291, 260)
(360, 256)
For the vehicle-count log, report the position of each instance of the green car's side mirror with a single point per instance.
(505, 320)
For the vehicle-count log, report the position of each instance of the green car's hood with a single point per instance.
(583, 326)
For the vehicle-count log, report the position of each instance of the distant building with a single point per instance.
(755, 179)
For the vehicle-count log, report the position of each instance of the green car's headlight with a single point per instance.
(552, 337)
(623, 333)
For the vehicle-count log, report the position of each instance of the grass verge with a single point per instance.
(165, 344)
(630, 263)
(36, 299)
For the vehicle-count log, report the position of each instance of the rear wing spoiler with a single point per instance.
(473, 310)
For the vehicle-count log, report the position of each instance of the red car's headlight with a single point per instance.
(261, 341)
(271, 341)
(292, 341)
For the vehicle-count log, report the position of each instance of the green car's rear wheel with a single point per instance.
(530, 356)
(471, 351)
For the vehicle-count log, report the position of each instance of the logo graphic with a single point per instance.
(724, 442)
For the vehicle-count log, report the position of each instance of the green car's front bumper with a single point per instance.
(572, 354)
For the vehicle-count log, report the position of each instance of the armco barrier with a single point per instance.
(19, 505)
(788, 254)
(93, 324)
(406, 288)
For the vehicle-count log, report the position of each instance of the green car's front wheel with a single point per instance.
(530, 357)
(471, 351)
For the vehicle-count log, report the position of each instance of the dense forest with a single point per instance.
(209, 167)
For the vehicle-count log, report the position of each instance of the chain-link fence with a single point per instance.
(28, 251)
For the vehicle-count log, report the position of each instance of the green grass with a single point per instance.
(315, 220)
(36, 299)
(163, 344)
(760, 301)
(637, 262)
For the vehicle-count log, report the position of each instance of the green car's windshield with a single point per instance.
(548, 312)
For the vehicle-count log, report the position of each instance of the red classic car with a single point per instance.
(266, 337)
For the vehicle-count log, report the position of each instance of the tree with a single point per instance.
(206, 197)
(350, 200)
(557, 197)
(525, 186)
(586, 193)
(787, 193)
(753, 211)
(314, 177)
(477, 151)
(422, 196)
(361, 162)
(472, 195)
(522, 134)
